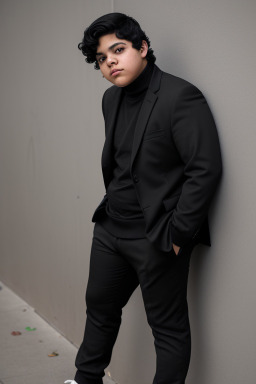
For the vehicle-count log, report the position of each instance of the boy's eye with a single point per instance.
(118, 50)
(101, 59)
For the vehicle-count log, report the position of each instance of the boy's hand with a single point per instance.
(176, 249)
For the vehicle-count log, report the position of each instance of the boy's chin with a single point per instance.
(122, 83)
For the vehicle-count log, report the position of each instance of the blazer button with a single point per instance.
(135, 178)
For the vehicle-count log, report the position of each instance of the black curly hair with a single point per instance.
(125, 27)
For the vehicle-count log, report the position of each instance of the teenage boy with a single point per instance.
(161, 164)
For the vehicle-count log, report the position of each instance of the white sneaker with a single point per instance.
(70, 382)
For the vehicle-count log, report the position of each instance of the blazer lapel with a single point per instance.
(145, 111)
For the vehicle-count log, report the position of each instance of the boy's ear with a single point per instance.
(144, 48)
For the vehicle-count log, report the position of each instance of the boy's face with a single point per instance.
(119, 62)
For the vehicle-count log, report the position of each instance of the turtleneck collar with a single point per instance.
(140, 84)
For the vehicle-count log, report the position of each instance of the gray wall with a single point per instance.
(51, 136)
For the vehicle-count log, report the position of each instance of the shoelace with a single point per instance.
(70, 382)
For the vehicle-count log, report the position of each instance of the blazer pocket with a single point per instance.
(170, 203)
(153, 134)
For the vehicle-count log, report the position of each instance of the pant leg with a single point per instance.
(163, 279)
(111, 282)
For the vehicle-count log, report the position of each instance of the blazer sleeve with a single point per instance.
(196, 139)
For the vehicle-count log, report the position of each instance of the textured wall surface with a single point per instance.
(51, 136)
(50, 143)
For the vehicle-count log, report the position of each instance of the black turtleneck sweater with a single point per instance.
(124, 217)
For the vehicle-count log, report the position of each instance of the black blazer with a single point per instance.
(175, 160)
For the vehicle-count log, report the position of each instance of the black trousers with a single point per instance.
(117, 267)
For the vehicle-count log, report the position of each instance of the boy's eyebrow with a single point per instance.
(109, 49)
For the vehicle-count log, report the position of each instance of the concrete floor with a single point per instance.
(24, 358)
